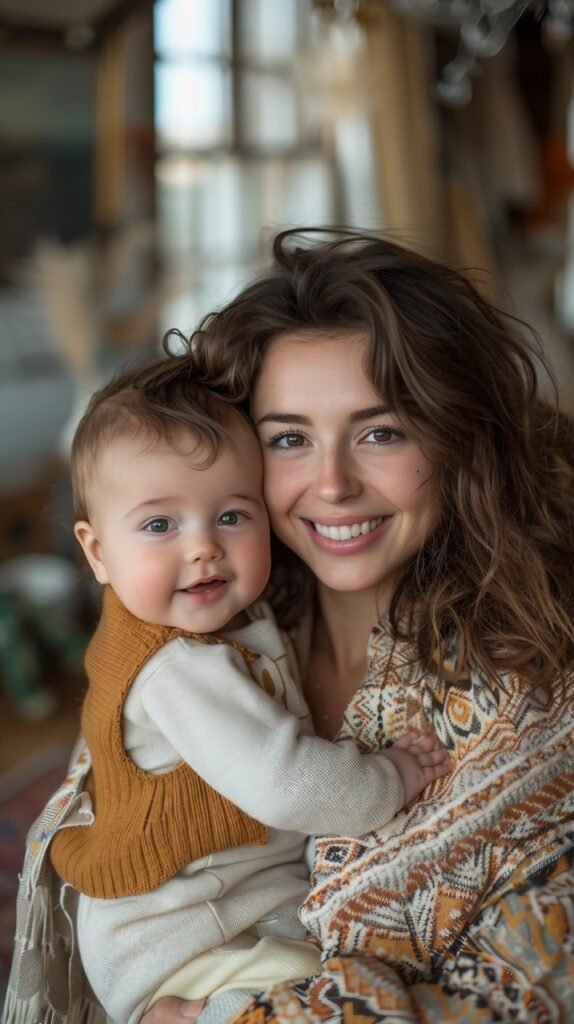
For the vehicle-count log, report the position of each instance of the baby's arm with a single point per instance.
(251, 750)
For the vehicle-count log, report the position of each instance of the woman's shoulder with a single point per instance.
(461, 700)
(394, 649)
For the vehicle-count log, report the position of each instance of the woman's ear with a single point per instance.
(91, 547)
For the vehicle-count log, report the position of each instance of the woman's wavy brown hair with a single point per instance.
(463, 377)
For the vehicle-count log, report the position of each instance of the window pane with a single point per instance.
(192, 27)
(209, 287)
(175, 179)
(268, 29)
(200, 207)
(212, 211)
(357, 172)
(269, 113)
(192, 105)
(214, 214)
(310, 192)
(218, 210)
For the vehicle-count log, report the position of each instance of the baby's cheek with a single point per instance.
(258, 560)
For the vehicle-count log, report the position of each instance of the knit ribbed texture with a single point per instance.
(148, 826)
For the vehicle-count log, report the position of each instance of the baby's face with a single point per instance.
(181, 545)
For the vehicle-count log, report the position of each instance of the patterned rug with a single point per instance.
(23, 793)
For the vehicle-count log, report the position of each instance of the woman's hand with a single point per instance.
(417, 764)
(172, 1010)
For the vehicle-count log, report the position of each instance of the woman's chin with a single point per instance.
(352, 580)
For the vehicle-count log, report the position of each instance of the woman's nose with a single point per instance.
(336, 478)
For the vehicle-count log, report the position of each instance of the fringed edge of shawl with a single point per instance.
(34, 1011)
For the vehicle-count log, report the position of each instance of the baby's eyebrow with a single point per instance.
(152, 502)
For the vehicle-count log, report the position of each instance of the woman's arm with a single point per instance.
(515, 964)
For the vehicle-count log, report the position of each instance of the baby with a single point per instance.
(206, 776)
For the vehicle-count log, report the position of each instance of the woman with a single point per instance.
(421, 494)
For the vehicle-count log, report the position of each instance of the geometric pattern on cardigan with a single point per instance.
(516, 964)
(402, 906)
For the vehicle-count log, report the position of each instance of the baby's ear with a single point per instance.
(91, 547)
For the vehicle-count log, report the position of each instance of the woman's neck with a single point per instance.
(338, 656)
(343, 626)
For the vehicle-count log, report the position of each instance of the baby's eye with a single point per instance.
(159, 525)
(287, 439)
(232, 518)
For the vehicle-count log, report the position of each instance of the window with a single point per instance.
(236, 154)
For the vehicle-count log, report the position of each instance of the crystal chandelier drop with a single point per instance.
(483, 27)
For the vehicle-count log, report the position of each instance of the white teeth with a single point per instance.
(347, 532)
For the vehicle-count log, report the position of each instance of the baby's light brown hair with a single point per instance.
(159, 400)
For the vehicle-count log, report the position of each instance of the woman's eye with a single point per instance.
(291, 439)
(159, 525)
(231, 518)
(382, 435)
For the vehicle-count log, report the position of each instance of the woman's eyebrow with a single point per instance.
(365, 414)
(355, 417)
(283, 417)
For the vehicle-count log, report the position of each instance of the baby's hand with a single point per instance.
(172, 1010)
(417, 762)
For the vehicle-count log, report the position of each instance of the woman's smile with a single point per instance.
(347, 536)
(347, 489)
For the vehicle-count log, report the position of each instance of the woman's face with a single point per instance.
(347, 489)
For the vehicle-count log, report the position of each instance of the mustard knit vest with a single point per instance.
(147, 827)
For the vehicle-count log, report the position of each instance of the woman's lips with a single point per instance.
(349, 536)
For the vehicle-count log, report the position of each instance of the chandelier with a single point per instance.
(482, 26)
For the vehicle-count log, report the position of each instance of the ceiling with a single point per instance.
(69, 23)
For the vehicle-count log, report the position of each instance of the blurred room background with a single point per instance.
(148, 152)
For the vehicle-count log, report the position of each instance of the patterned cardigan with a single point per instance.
(462, 908)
